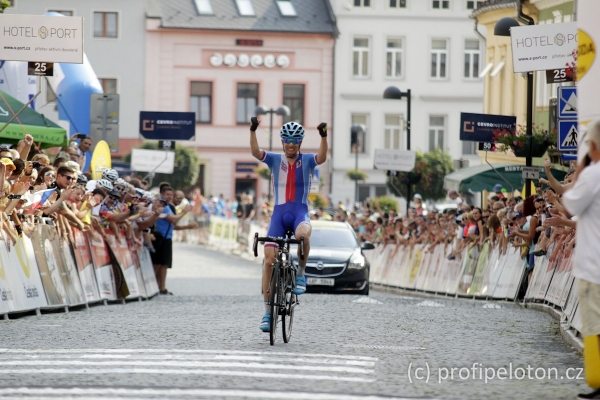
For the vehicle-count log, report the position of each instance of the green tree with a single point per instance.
(4, 4)
(432, 167)
(185, 173)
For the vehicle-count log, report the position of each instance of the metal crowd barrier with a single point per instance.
(45, 271)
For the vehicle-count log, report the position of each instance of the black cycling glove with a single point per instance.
(322, 129)
(254, 124)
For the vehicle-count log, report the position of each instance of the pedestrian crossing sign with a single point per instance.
(567, 102)
(567, 135)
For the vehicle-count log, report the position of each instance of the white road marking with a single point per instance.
(164, 371)
(128, 393)
(184, 364)
(491, 305)
(194, 357)
(366, 300)
(429, 303)
(185, 351)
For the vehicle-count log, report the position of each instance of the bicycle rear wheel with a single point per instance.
(287, 319)
(273, 302)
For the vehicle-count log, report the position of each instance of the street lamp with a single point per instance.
(356, 132)
(392, 92)
(502, 28)
(284, 111)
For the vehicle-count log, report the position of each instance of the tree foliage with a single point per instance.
(385, 203)
(4, 4)
(185, 173)
(432, 167)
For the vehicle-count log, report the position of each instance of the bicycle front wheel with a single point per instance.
(273, 302)
(287, 319)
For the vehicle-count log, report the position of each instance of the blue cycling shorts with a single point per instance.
(287, 217)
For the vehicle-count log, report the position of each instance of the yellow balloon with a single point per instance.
(101, 159)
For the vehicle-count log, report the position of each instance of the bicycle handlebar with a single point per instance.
(278, 241)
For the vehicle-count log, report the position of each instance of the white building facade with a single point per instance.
(427, 46)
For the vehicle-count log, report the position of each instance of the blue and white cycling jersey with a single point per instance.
(291, 182)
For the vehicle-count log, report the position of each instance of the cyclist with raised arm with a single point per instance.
(291, 173)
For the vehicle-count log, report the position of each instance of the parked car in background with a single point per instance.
(336, 262)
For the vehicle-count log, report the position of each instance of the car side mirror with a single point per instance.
(367, 246)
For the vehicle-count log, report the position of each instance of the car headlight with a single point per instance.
(357, 261)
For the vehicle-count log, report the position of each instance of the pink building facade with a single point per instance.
(222, 75)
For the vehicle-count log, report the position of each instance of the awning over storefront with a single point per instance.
(483, 177)
(44, 131)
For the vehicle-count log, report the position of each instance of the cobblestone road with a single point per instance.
(204, 343)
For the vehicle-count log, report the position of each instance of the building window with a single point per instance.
(437, 132)
(293, 97)
(286, 8)
(439, 56)
(469, 148)
(201, 101)
(440, 4)
(362, 3)
(247, 99)
(203, 7)
(360, 58)
(105, 24)
(397, 3)
(245, 7)
(393, 58)
(358, 141)
(109, 85)
(392, 137)
(472, 5)
(472, 57)
(66, 13)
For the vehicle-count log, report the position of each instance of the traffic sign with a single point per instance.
(567, 102)
(567, 135)
(395, 160)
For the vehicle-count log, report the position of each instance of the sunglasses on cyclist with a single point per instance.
(291, 141)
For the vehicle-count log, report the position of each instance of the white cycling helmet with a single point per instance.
(104, 184)
(110, 174)
(292, 132)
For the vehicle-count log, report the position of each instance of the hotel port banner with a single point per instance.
(103, 266)
(23, 274)
(85, 266)
(50, 273)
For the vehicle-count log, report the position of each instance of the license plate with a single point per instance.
(320, 281)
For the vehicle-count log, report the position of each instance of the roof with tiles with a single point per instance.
(312, 16)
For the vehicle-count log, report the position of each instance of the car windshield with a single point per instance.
(332, 238)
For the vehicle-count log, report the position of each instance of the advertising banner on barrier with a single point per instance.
(132, 250)
(68, 274)
(102, 266)
(83, 259)
(63, 249)
(26, 282)
(147, 272)
(52, 281)
(118, 245)
(6, 295)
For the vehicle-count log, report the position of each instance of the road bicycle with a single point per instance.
(282, 299)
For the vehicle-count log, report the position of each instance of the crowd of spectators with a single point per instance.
(40, 187)
(533, 224)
